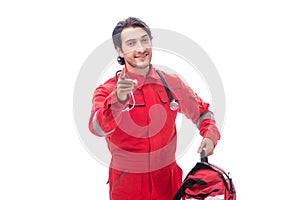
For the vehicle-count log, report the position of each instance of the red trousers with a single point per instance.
(161, 184)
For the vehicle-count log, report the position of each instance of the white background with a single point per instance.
(255, 46)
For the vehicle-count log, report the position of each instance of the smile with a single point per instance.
(141, 56)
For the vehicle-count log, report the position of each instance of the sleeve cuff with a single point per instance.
(114, 103)
(214, 136)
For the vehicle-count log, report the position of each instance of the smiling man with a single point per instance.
(136, 112)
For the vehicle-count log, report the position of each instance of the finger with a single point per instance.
(125, 90)
(128, 80)
(209, 149)
(202, 146)
(122, 89)
(122, 75)
(210, 153)
(126, 83)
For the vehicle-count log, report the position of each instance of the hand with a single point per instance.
(124, 87)
(208, 145)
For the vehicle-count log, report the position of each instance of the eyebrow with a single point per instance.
(144, 35)
(133, 39)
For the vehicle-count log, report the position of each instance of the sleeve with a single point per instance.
(106, 110)
(194, 108)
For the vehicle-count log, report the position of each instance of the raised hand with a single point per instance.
(124, 87)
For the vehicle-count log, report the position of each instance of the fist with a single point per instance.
(207, 145)
(124, 87)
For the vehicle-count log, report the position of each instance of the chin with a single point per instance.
(142, 65)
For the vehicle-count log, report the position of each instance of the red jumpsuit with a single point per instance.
(142, 141)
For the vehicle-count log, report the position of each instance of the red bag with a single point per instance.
(207, 182)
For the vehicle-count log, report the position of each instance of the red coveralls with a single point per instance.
(143, 141)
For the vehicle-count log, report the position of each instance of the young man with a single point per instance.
(136, 111)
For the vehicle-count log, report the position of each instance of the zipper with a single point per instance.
(118, 180)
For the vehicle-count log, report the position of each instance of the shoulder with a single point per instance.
(109, 84)
(170, 77)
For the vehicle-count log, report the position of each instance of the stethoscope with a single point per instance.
(173, 104)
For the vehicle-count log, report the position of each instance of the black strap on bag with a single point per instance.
(188, 183)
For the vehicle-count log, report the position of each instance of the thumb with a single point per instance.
(202, 146)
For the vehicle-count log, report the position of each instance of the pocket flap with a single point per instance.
(138, 98)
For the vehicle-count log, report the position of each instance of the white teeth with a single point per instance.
(141, 56)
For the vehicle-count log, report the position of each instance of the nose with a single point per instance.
(140, 47)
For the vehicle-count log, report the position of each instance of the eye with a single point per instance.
(145, 40)
(130, 43)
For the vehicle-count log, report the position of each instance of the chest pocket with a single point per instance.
(138, 99)
(163, 96)
(170, 95)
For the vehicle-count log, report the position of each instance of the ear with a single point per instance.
(120, 52)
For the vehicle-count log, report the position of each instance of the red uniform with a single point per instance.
(142, 141)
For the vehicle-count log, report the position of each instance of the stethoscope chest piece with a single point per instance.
(173, 105)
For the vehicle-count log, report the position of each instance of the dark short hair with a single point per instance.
(129, 22)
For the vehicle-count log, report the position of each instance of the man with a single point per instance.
(136, 111)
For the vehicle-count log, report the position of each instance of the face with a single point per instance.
(136, 48)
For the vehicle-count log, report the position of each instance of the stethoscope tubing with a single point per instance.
(173, 104)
